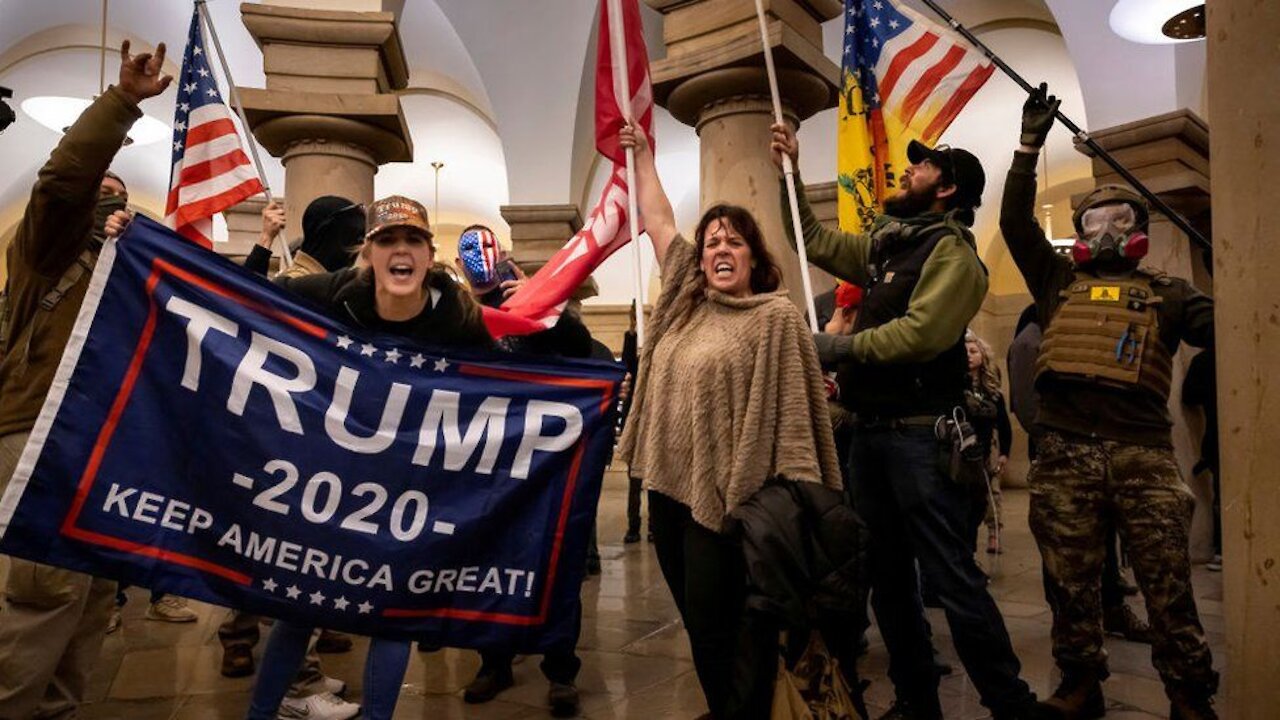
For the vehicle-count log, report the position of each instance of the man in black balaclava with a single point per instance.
(332, 230)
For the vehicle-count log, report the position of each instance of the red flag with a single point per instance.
(538, 304)
(609, 115)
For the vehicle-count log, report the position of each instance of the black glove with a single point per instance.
(1037, 116)
(832, 348)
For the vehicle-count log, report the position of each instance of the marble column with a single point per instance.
(1245, 144)
(713, 78)
(538, 232)
(1169, 153)
(329, 110)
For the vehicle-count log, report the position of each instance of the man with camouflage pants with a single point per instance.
(1103, 374)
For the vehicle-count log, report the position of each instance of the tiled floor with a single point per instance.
(636, 661)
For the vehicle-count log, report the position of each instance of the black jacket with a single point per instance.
(805, 549)
(451, 320)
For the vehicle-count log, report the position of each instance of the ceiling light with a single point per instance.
(1158, 22)
(58, 113)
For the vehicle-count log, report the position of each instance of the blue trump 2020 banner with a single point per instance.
(210, 436)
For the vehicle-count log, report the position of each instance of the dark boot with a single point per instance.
(563, 699)
(1079, 696)
(237, 661)
(488, 683)
(1192, 706)
(1121, 621)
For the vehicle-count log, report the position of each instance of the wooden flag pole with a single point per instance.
(622, 92)
(788, 171)
(244, 121)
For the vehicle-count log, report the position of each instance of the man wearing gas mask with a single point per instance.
(1103, 376)
(54, 620)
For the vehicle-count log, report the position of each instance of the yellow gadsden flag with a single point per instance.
(903, 78)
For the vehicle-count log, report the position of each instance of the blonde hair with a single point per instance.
(988, 373)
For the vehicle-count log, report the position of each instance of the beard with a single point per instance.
(911, 201)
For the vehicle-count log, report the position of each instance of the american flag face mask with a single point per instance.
(480, 253)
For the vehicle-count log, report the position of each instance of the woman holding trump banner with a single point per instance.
(729, 395)
(398, 291)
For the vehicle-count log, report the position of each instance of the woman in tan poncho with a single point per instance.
(729, 395)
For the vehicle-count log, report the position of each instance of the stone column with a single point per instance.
(538, 232)
(1170, 154)
(1245, 144)
(713, 78)
(329, 111)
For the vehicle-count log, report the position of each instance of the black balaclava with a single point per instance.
(107, 205)
(332, 230)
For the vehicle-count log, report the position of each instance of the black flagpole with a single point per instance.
(1081, 136)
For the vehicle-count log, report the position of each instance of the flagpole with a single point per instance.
(788, 171)
(622, 91)
(244, 121)
(1081, 135)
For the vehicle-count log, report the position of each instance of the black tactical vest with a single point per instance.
(900, 390)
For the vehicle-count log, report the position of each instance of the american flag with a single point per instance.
(210, 170)
(904, 78)
(538, 304)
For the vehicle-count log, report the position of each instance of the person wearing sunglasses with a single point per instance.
(903, 372)
(1104, 451)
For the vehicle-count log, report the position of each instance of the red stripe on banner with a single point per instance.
(204, 132)
(929, 82)
(302, 326)
(117, 409)
(136, 548)
(210, 169)
(557, 545)
(902, 61)
(69, 528)
(943, 119)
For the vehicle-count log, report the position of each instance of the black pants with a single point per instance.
(559, 665)
(734, 654)
(633, 505)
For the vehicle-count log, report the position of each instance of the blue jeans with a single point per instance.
(384, 669)
(917, 514)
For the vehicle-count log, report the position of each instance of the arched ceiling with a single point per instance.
(500, 90)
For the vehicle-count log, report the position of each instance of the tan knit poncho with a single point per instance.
(729, 395)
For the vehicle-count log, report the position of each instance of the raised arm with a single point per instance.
(842, 254)
(1030, 249)
(651, 199)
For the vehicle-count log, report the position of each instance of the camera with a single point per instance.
(7, 115)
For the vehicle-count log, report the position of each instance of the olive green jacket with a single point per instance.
(56, 228)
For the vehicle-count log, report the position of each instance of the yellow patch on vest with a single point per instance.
(1107, 293)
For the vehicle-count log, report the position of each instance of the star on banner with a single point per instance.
(368, 350)
(365, 607)
(442, 365)
(293, 592)
(417, 360)
(269, 585)
(344, 342)
(340, 603)
(393, 356)
(317, 598)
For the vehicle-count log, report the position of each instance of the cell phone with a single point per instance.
(506, 270)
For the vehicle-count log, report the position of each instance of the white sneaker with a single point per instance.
(113, 623)
(334, 686)
(323, 706)
(1214, 565)
(171, 608)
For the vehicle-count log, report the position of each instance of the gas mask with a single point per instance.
(1110, 228)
